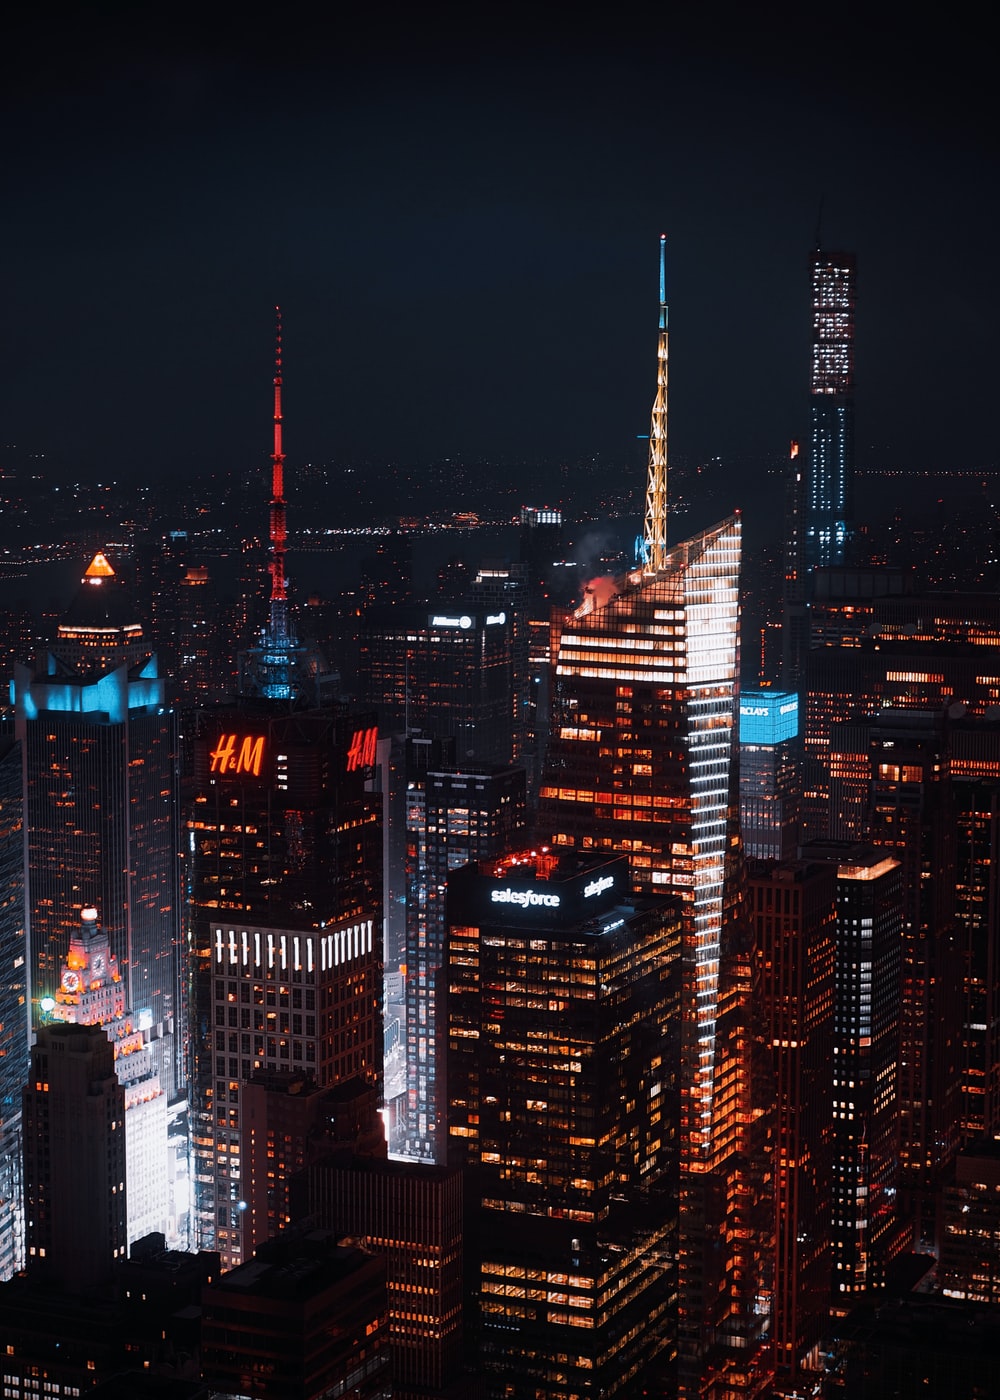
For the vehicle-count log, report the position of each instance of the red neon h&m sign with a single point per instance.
(227, 758)
(361, 753)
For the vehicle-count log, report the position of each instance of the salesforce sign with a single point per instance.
(526, 899)
(768, 716)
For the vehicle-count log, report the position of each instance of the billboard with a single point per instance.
(768, 716)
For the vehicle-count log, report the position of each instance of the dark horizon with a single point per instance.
(462, 232)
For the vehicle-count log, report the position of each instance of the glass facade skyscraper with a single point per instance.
(641, 763)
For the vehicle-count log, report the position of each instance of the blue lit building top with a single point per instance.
(768, 716)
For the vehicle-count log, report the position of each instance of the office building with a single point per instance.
(446, 669)
(794, 912)
(977, 923)
(305, 1318)
(453, 817)
(92, 993)
(76, 1219)
(865, 1219)
(874, 645)
(563, 1059)
(770, 773)
(100, 755)
(13, 1006)
(913, 818)
(410, 1214)
(970, 1239)
(829, 512)
(287, 1123)
(285, 916)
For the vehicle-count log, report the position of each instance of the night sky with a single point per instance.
(459, 211)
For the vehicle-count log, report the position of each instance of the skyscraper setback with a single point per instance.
(830, 480)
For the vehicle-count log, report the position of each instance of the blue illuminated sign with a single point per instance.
(768, 716)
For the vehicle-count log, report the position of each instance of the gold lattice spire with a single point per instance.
(655, 530)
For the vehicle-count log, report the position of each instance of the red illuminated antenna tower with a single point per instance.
(655, 530)
(274, 668)
(279, 596)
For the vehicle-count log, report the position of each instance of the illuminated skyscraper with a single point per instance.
(641, 762)
(866, 1037)
(284, 896)
(92, 993)
(452, 817)
(563, 1056)
(770, 773)
(793, 908)
(100, 755)
(829, 514)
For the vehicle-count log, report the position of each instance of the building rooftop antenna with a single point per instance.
(279, 595)
(655, 529)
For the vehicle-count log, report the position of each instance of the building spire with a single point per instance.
(655, 530)
(279, 621)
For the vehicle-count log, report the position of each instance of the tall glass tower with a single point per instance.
(641, 763)
(830, 480)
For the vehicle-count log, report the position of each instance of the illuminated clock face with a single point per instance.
(70, 981)
(97, 964)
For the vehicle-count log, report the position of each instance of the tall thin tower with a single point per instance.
(279, 596)
(655, 531)
(275, 669)
(830, 490)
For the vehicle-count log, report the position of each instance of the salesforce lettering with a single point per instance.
(598, 886)
(526, 899)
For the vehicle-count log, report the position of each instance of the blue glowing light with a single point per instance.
(768, 716)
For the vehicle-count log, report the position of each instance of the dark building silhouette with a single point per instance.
(76, 1220)
(446, 669)
(970, 1238)
(915, 1347)
(563, 1061)
(303, 1320)
(287, 1123)
(138, 1338)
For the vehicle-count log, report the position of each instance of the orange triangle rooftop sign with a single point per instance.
(99, 567)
